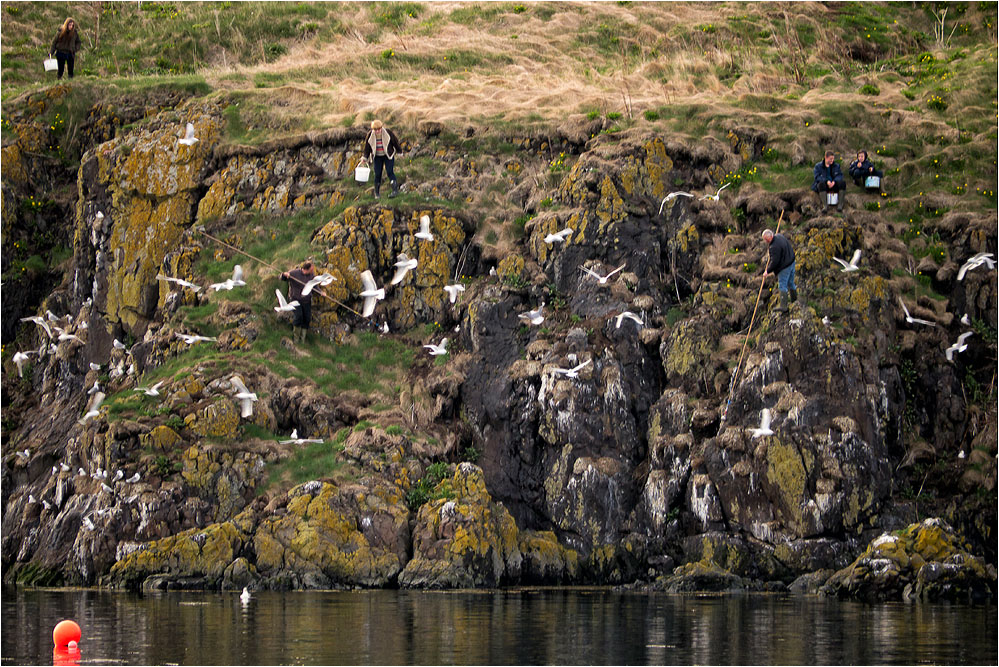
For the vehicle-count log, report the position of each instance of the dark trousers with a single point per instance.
(389, 164)
(65, 59)
(303, 314)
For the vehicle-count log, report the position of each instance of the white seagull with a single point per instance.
(96, 388)
(245, 396)
(40, 321)
(965, 320)
(558, 237)
(47, 504)
(151, 391)
(981, 258)
(764, 428)
(321, 280)
(959, 346)
(179, 281)
(403, 266)
(371, 293)
(284, 306)
(714, 197)
(117, 476)
(627, 315)
(80, 472)
(235, 281)
(914, 320)
(189, 138)
(424, 232)
(573, 372)
(133, 479)
(106, 489)
(453, 291)
(852, 266)
(118, 345)
(94, 367)
(20, 357)
(437, 350)
(24, 454)
(63, 467)
(296, 440)
(88, 524)
(94, 409)
(670, 197)
(192, 339)
(244, 597)
(602, 279)
(534, 316)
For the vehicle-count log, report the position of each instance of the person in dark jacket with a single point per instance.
(65, 45)
(382, 143)
(781, 263)
(303, 312)
(829, 178)
(861, 168)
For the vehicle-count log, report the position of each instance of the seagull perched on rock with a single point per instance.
(403, 266)
(106, 489)
(371, 293)
(96, 388)
(437, 350)
(852, 266)
(118, 476)
(20, 357)
(424, 232)
(601, 279)
(914, 320)
(40, 321)
(179, 281)
(630, 316)
(295, 440)
(80, 472)
(47, 504)
(88, 524)
(715, 196)
(965, 320)
(118, 345)
(189, 138)
(671, 196)
(63, 467)
(764, 428)
(23, 454)
(321, 280)
(95, 408)
(959, 346)
(245, 396)
(558, 237)
(94, 367)
(229, 284)
(133, 479)
(151, 391)
(981, 258)
(284, 306)
(453, 291)
(534, 316)
(192, 339)
(574, 371)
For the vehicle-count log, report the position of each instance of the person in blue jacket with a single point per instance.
(829, 178)
(781, 263)
(861, 168)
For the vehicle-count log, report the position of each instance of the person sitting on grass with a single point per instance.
(303, 312)
(829, 179)
(861, 168)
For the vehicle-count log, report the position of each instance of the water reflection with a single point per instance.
(529, 626)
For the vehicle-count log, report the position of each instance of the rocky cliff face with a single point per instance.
(641, 466)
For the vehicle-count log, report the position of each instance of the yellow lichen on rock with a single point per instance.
(786, 471)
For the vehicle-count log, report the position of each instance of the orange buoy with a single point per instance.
(66, 632)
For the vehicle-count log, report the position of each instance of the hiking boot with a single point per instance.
(839, 204)
(377, 188)
(794, 295)
(783, 302)
(395, 189)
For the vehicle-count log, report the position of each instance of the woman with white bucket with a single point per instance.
(864, 174)
(382, 143)
(64, 46)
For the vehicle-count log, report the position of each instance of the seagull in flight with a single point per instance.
(852, 266)
(40, 321)
(95, 408)
(764, 428)
(534, 316)
(914, 320)
(715, 196)
(296, 440)
(235, 281)
(959, 346)
(671, 196)
(179, 281)
(573, 373)
(601, 279)
(453, 291)
(437, 350)
(192, 339)
(558, 237)
(189, 138)
(151, 391)
(424, 232)
(981, 258)
(245, 396)
(371, 293)
(284, 305)
(627, 315)
(403, 266)
(323, 279)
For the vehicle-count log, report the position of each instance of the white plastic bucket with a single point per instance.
(832, 198)
(50, 64)
(361, 174)
(872, 182)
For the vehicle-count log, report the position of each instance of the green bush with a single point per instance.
(651, 115)
(869, 89)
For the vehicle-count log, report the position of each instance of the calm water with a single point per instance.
(527, 626)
